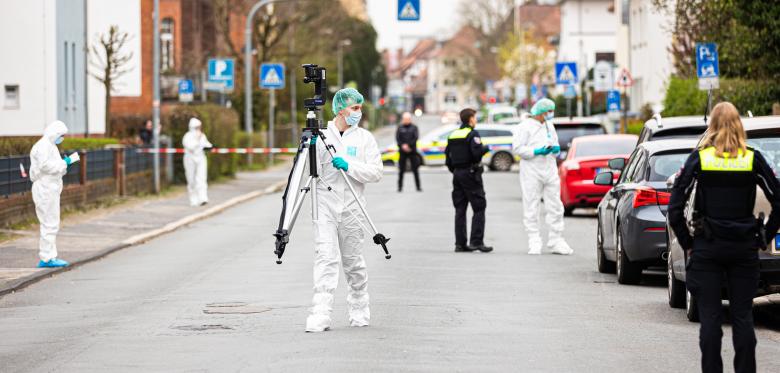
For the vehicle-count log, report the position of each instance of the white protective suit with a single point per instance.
(539, 180)
(47, 168)
(195, 163)
(338, 229)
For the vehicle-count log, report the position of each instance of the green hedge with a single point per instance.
(220, 126)
(10, 146)
(683, 96)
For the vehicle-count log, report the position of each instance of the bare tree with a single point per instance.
(110, 59)
(526, 61)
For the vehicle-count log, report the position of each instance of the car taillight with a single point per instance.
(649, 196)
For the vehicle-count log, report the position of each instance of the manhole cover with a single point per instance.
(200, 328)
(227, 304)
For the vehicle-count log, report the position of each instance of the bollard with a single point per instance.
(83, 167)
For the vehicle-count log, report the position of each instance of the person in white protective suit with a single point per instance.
(536, 142)
(47, 168)
(339, 227)
(195, 163)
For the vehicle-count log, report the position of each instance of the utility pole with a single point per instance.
(293, 86)
(156, 100)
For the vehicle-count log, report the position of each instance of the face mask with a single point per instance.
(549, 116)
(353, 118)
(59, 140)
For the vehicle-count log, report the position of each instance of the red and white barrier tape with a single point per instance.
(225, 150)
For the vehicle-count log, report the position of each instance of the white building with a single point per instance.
(588, 32)
(44, 70)
(649, 59)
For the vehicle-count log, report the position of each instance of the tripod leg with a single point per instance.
(299, 202)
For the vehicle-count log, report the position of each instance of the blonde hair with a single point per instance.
(725, 132)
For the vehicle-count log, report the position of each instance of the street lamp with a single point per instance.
(341, 45)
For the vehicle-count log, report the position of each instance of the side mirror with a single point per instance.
(617, 163)
(604, 178)
(670, 181)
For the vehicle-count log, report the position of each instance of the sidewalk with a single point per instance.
(85, 238)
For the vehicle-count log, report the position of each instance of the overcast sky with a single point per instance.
(437, 18)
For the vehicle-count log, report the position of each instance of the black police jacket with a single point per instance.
(407, 135)
(464, 148)
(725, 197)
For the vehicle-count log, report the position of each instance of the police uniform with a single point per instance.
(724, 244)
(464, 153)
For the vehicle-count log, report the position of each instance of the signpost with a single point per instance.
(186, 90)
(271, 77)
(408, 10)
(707, 69)
(566, 74)
(625, 80)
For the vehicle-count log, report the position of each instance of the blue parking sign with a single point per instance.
(186, 90)
(221, 74)
(613, 101)
(707, 68)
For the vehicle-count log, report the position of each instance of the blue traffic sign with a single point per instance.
(408, 10)
(613, 101)
(271, 76)
(570, 91)
(707, 60)
(221, 73)
(185, 86)
(565, 73)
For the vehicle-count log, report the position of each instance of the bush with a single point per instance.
(220, 126)
(127, 126)
(683, 96)
(10, 146)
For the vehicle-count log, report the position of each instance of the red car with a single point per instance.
(587, 157)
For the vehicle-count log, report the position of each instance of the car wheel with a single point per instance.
(604, 265)
(691, 307)
(675, 288)
(502, 161)
(627, 273)
(568, 211)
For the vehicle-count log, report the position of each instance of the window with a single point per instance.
(664, 165)
(630, 166)
(609, 147)
(166, 44)
(11, 97)
(451, 98)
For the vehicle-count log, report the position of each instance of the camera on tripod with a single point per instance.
(315, 74)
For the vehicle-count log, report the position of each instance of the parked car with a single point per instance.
(656, 128)
(763, 135)
(631, 233)
(511, 121)
(570, 128)
(431, 147)
(587, 157)
(498, 112)
(450, 117)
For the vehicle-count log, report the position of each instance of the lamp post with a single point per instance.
(156, 93)
(342, 44)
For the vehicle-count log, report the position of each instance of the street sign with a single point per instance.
(613, 101)
(221, 74)
(603, 76)
(625, 80)
(186, 90)
(707, 68)
(565, 73)
(272, 76)
(570, 91)
(408, 10)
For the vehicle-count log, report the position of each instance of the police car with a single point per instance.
(431, 146)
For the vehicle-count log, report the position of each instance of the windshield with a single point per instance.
(498, 116)
(604, 147)
(567, 133)
(769, 148)
(664, 165)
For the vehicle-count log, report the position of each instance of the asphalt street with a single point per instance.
(209, 297)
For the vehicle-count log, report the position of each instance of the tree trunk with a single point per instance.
(108, 109)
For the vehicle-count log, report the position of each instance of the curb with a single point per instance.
(23, 282)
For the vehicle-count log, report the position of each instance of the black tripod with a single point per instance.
(295, 192)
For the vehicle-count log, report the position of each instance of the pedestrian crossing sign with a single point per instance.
(272, 75)
(565, 73)
(408, 10)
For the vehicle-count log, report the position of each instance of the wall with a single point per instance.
(651, 63)
(32, 65)
(587, 27)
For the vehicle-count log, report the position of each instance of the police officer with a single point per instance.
(464, 153)
(726, 235)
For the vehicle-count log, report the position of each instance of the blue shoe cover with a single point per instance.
(54, 263)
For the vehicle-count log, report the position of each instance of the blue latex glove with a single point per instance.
(556, 149)
(340, 163)
(542, 151)
(67, 161)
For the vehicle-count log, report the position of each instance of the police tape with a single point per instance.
(224, 150)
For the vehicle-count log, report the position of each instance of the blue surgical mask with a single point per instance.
(59, 140)
(549, 116)
(353, 118)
